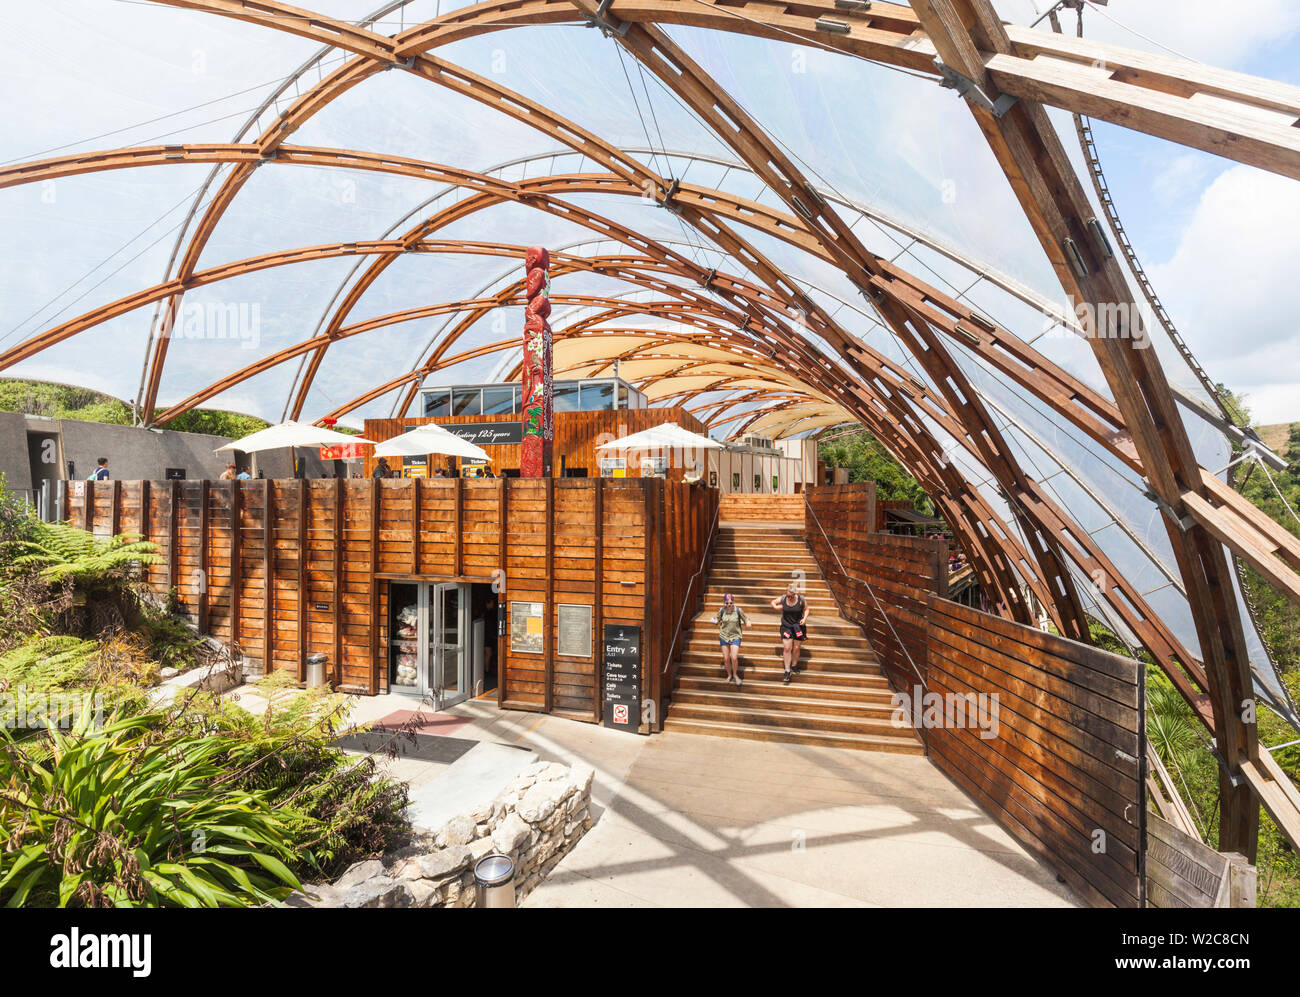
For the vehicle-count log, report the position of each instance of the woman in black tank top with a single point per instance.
(794, 620)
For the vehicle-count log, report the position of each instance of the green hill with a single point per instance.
(66, 401)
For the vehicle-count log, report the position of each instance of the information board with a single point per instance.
(573, 630)
(622, 692)
(526, 627)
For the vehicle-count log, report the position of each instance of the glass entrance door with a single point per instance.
(449, 642)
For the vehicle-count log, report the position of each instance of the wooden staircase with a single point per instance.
(839, 696)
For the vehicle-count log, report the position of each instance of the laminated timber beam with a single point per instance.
(916, 295)
(966, 33)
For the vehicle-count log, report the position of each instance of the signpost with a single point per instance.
(622, 691)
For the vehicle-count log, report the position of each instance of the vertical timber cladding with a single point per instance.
(625, 548)
(1062, 772)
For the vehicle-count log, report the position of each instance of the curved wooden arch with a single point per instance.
(1154, 94)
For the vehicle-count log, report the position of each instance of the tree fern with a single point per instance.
(62, 552)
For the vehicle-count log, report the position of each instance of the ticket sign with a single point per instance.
(622, 691)
(344, 451)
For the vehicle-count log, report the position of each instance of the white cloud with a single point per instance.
(1205, 30)
(1231, 288)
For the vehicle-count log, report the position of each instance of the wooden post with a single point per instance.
(415, 526)
(88, 510)
(203, 556)
(304, 604)
(649, 662)
(236, 560)
(173, 529)
(268, 575)
(146, 527)
(503, 593)
(115, 508)
(598, 602)
(338, 581)
(458, 498)
(548, 611)
(375, 490)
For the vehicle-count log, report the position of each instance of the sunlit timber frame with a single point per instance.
(768, 321)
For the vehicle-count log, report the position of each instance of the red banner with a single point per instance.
(344, 451)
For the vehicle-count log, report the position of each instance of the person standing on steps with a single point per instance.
(731, 620)
(794, 627)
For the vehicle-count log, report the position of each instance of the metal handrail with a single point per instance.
(708, 544)
(843, 571)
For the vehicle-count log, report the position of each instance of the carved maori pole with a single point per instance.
(538, 430)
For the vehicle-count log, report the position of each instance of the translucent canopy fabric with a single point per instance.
(302, 213)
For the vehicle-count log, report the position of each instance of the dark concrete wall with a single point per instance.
(132, 453)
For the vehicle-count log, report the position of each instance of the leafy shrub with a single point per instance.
(140, 813)
(343, 811)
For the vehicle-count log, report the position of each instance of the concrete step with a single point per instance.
(778, 698)
(768, 683)
(764, 656)
(859, 742)
(867, 678)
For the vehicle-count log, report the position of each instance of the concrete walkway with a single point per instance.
(685, 820)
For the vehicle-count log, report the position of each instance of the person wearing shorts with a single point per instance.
(731, 620)
(794, 626)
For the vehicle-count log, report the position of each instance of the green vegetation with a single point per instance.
(867, 460)
(62, 401)
(109, 797)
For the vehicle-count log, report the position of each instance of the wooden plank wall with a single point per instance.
(630, 548)
(1063, 773)
(740, 507)
(879, 571)
(577, 434)
(1182, 871)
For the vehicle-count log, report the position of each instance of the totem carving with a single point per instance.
(538, 421)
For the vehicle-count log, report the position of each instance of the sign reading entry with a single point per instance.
(622, 654)
(526, 627)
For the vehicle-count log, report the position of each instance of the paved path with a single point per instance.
(696, 821)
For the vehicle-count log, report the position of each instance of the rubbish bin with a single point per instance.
(316, 670)
(495, 876)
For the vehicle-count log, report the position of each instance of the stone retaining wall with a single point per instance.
(535, 820)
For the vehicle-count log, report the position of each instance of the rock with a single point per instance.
(459, 830)
(424, 894)
(441, 863)
(509, 834)
(379, 892)
(168, 672)
(540, 802)
(479, 848)
(553, 771)
(582, 775)
(359, 873)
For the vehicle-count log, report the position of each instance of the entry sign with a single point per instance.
(622, 676)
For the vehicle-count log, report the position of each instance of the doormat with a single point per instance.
(425, 722)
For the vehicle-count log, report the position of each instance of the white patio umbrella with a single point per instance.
(427, 439)
(666, 436)
(291, 435)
